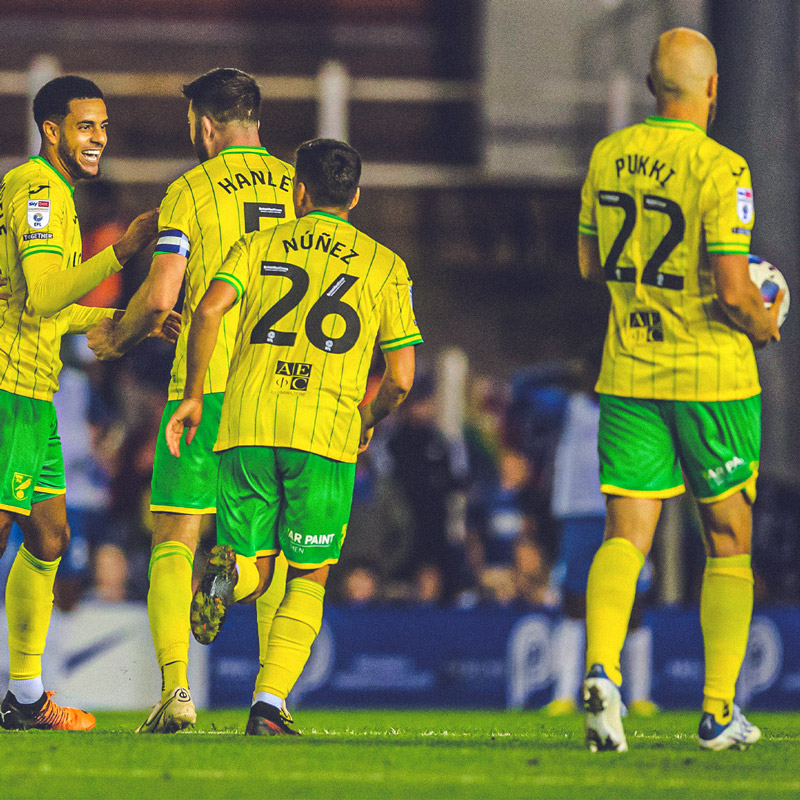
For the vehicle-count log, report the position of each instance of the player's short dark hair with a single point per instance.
(53, 99)
(225, 95)
(330, 171)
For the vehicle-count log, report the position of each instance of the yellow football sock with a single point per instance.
(609, 599)
(726, 606)
(29, 603)
(297, 623)
(268, 603)
(168, 602)
(248, 579)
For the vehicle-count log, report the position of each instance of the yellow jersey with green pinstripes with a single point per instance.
(243, 189)
(37, 215)
(660, 196)
(315, 294)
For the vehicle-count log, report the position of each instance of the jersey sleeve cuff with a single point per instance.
(403, 341)
(587, 230)
(231, 280)
(32, 251)
(728, 248)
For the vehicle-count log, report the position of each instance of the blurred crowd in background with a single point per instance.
(462, 516)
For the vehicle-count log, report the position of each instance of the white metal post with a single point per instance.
(333, 96)
(43, 68)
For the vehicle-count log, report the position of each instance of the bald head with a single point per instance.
(681, 64)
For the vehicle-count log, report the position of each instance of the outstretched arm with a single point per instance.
(395, 386)
(220, 297)
(147, 310)
(51, 289)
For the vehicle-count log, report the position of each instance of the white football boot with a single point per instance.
(738, 734)
(604, 712)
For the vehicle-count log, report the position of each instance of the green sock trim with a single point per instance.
(623, 544)
(305, 586)
(37, 563)
(736, 562)
(166, 549)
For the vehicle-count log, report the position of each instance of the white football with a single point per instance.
(769, 280)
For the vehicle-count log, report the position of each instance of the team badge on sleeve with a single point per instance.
(744, 204)
(173, 241)
(38, 213)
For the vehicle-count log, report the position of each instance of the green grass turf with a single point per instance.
(415, 755)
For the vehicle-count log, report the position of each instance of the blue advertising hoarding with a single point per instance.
(489, 658)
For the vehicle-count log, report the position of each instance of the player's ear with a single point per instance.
(354, 201)
(711, 89)
(208, 126)
(300, 193)
(51, 131)
(650, 87)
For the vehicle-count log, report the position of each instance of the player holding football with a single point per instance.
(314, 295)
(40, 258)
(665, 222)
(238, 187)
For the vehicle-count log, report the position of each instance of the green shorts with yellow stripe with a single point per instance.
(278, 499)
(648, 447)
(33, 466)
(188, 485)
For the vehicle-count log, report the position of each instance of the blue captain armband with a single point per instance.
(173, 241)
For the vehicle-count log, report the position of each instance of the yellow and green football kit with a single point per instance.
(316, 294)
(40, 257)
(39, 238)
(241, 190)
(679, 385)
(660, 197)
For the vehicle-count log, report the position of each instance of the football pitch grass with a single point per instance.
(382, 754)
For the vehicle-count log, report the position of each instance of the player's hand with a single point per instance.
(101, 340)
(140, 233)
(366, 430)
(774, 310)
(774, 333)
(187, 418)
(169, 329)
(4, 296)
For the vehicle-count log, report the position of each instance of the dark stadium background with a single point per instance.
(482, 204)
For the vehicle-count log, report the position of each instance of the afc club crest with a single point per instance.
(38, 213)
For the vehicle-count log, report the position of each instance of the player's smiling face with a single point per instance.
(83, 138)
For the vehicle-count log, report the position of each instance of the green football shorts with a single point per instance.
(188, 485)
(34, 466)
(647, 447)
(276, 498)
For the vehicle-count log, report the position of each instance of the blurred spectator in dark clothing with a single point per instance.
(420, 456)
(143, 393)
(502, 535)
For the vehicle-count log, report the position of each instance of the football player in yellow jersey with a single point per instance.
(238, 187)
(40, 259)
(315, 295)
(665, 221)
